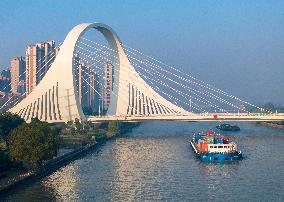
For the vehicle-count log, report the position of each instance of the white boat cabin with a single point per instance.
(222, 148)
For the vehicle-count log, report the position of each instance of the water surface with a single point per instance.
(155, 162)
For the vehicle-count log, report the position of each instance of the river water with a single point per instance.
(155, 162)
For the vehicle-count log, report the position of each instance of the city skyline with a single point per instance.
(25, 73)
(232, 40)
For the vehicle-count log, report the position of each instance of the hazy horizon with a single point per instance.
(237, 46)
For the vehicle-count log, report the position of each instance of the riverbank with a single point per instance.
(47, 168)
(51, 166)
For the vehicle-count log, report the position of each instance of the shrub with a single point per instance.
(114, 126)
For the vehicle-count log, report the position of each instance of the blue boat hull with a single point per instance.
(219, 157)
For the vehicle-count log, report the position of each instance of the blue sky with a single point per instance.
(237, 46)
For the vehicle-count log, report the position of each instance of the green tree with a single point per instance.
(78, 125)
(33, 143)
(8, 122)
(87, 125)
(69, 124)
(113, 126)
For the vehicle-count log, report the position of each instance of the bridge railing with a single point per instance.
(193, 114)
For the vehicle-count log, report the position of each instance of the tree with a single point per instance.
(87, 125)
(5, 162)
(33, 143)
(69, 124)
(8, 122)
(78, 125)
(113, 126)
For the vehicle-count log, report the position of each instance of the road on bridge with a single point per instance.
(191, 117)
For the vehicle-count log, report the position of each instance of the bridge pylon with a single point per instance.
(55, 98)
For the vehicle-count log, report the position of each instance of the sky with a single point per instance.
(237, 46)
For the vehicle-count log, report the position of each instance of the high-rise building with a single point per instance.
(49, 53)
(5, 81)
(84, 85)
(108, 84)
(39, 57)
(81, 76)
(18, 77)
(6, 73)
(87, 85)
(93, 96)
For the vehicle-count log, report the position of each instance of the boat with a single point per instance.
(227, 127)
(214, 147)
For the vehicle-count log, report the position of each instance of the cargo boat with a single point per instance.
(227, 127)
(214, 147)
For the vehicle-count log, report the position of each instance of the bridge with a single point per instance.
(142, 88)
(190, 117)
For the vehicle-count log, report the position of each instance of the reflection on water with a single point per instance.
(63, 186)
(155, 162)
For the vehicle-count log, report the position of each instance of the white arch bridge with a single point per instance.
(142, 88)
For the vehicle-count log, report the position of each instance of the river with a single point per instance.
(155, 162)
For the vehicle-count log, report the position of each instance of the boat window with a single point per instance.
(228, 146)
(225, 146)
(215, 146)
(220, 146)
(211, 146)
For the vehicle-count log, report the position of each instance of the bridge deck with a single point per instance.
(190, 117)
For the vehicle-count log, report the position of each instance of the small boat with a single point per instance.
(214, 147)
(227, 127)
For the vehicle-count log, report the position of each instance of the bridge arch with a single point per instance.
(114, 43)
(55, 98)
